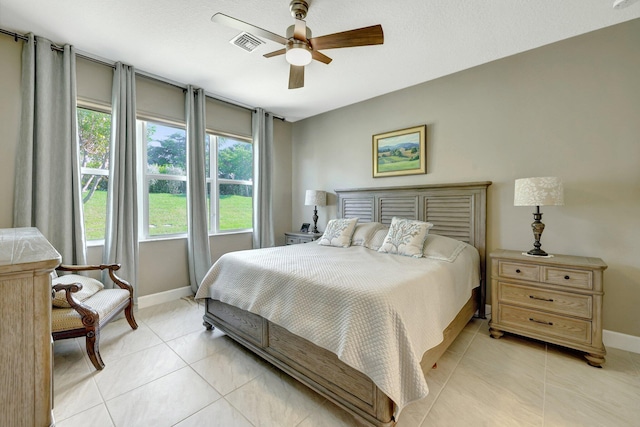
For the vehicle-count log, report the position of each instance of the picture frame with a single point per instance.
(305, 228)
(401, 152)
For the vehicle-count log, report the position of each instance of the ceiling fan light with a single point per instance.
(298, 54)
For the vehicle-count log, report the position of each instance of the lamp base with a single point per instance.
(315, 219)
(537, 252)
(538, 227)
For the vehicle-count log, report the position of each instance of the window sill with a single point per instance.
(227, 233)
(95, 243)
(100, 243)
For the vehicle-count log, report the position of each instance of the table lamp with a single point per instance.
(542, 191)
(315, 198)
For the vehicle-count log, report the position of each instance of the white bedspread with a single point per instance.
(379, 313)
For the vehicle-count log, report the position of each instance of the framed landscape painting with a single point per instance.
(401, 152)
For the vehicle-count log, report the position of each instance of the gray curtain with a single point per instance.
(47, 181)
(198, 230)
(121, 237)
(262, 125)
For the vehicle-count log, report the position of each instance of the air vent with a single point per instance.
(246, 41)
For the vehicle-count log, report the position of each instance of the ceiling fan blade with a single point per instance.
(320, 57)
(275, 53)
(296, 77)
(300, 30)
(223, 19)
(361, 37)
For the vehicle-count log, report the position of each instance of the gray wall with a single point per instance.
(570, 109)
(163, 263)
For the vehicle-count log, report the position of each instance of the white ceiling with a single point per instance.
(424, 40)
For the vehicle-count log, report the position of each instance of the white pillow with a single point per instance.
(364, 232)
(89, 287)
(442, 248)
(406, 237)
(338, 233)
(377, 239)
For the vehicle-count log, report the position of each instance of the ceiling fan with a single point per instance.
(300, 48)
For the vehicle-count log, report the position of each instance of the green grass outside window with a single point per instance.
(168, 214)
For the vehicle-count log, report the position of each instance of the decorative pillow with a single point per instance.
(364, 232)
(442, 248)
(377, 239)
(89, 287)
(338, 233)
(406, 237)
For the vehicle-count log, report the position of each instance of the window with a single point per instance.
(231, 160)
(94, 131)
(165, 184)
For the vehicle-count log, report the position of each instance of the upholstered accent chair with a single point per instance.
(82, 306)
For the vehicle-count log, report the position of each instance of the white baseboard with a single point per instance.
(162, 297)
(621, 341)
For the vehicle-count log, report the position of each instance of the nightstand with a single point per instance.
(295, 237)
(556, 299)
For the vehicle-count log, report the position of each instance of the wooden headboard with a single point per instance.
(458, 211)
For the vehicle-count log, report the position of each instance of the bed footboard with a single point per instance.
(316, 367)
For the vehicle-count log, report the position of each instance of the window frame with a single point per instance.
(143, 190)
(215, 182)
(104, 109)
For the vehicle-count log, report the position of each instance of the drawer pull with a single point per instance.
(518, 271)
(567, 277)
(541, 299)
(531, 319)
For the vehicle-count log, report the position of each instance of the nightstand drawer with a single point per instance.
(542, 299)
(519, 271)
(573, 278)
(546, 324)
(295, 237)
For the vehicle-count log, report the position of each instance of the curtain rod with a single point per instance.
(144, 74)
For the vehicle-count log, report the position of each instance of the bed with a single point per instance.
(338, 359)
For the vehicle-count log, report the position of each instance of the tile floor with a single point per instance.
(172, 372)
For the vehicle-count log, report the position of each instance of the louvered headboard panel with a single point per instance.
(404, 207)
(458, 211)
(451, 216)
(361, 208)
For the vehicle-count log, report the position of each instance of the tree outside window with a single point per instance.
(166, 179)
(94, 131)
(232, 208)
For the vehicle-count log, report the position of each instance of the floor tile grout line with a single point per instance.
(238, 388)
(211, 385)
(140, 385)
(163, 342)
(145, 384)
(91, 374)
(446, 381)
(238, 410)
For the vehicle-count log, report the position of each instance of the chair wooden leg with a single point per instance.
(93, 342)
(128, 312)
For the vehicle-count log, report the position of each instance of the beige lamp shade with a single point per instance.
(315, 198)
(541, 191)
